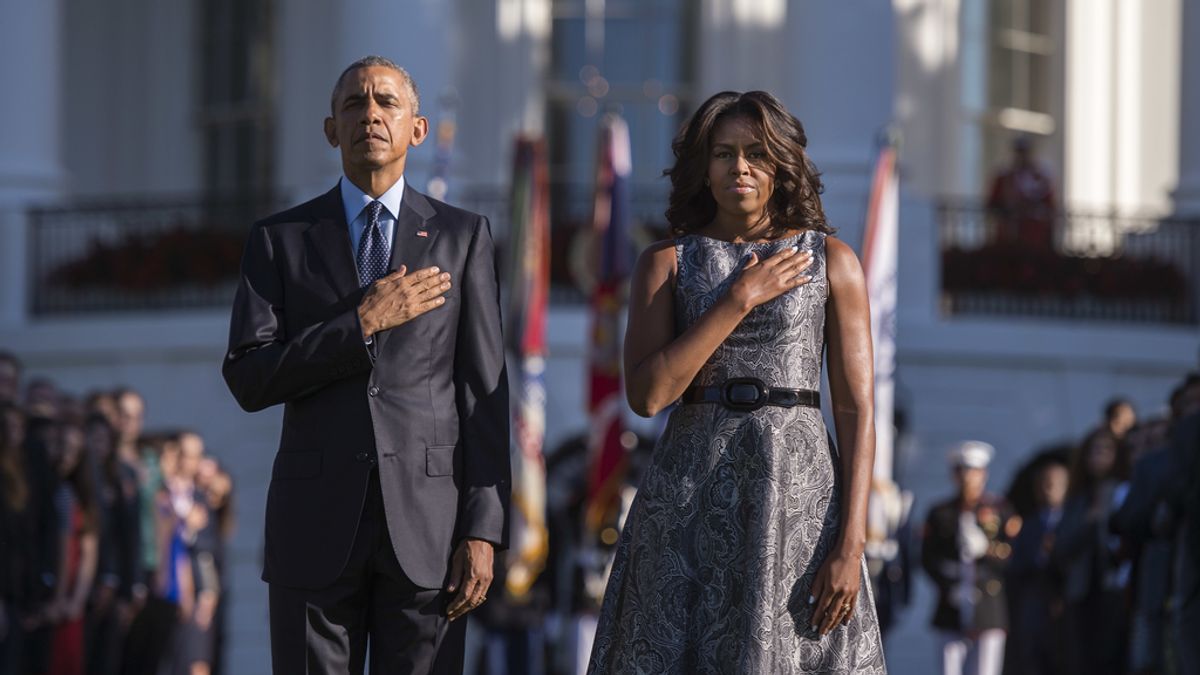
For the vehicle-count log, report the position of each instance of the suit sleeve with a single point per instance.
(264, 365)
(481, 390)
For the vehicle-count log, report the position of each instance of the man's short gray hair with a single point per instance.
(384, 62)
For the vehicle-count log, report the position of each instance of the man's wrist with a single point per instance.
(364, 325)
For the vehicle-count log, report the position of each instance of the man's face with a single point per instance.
(971, 481)
(373, 122)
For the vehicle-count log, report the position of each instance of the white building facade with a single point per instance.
(159, 109)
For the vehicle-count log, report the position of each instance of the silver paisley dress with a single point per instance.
(737, 510)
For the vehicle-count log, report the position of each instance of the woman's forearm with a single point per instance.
(856, 440)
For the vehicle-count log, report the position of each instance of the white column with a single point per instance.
(1090, 112)
(1187, 194)
(732, 29)
(840, 64)
(502, 54)
(308, 60)
(420, 37)
(30, 159)
(833, 66)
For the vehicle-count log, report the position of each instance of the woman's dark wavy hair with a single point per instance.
(796, 201)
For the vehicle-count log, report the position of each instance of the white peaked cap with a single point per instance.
(971, 454)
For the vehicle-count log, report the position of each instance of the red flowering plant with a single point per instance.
(1012, 268)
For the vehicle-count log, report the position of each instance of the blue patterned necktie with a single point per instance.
(372, 248)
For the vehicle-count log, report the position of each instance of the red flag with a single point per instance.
(607, 454)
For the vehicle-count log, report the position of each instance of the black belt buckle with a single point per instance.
(744, 393)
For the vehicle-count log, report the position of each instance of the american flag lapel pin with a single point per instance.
(422, 233)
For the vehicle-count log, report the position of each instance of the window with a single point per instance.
(236, 102)
(626, 56)
(1021, 59)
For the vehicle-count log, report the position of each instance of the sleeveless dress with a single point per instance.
(737, 510)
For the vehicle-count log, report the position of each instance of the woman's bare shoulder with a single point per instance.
(841, 262)
(657, 261)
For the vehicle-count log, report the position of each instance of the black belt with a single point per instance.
(751, 393)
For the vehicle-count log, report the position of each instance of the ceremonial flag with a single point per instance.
(528, 283)
(611, 216)
(880, 257)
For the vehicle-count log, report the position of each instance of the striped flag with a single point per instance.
(611, 223)
(880, 257)
(528, 283)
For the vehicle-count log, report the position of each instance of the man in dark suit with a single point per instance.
(372, 314)
(964, 549)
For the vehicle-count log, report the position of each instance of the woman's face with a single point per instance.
(1052, 485)
(740, 175)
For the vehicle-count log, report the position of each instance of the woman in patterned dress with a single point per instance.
(743, 551)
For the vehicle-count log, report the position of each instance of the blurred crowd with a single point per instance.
(1090, 563)
(112, 539)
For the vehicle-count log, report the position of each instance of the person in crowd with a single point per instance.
(136, 452)
(103, 403)
(42, 398)
(117, 496)
(149, 642)
(965, 548)
(1145, 524)
(1119, 417)
(1021, 201)
(199, 587)
(1032, 581)
(216, 487)
(42, 438)
(1091, 560)
(1183, 500)
(18, 578)
(79, 524)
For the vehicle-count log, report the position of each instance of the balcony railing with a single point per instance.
(138, 255)
(1074, 266)
(184, 254)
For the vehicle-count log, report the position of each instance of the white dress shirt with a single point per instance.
(355, 202)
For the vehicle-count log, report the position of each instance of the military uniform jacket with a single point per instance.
(985, 606)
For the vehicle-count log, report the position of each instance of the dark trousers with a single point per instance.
(373, 601)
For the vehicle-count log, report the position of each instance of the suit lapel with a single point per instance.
(329, 239)
(415, 232)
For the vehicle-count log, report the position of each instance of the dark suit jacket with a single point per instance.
(427, 403)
